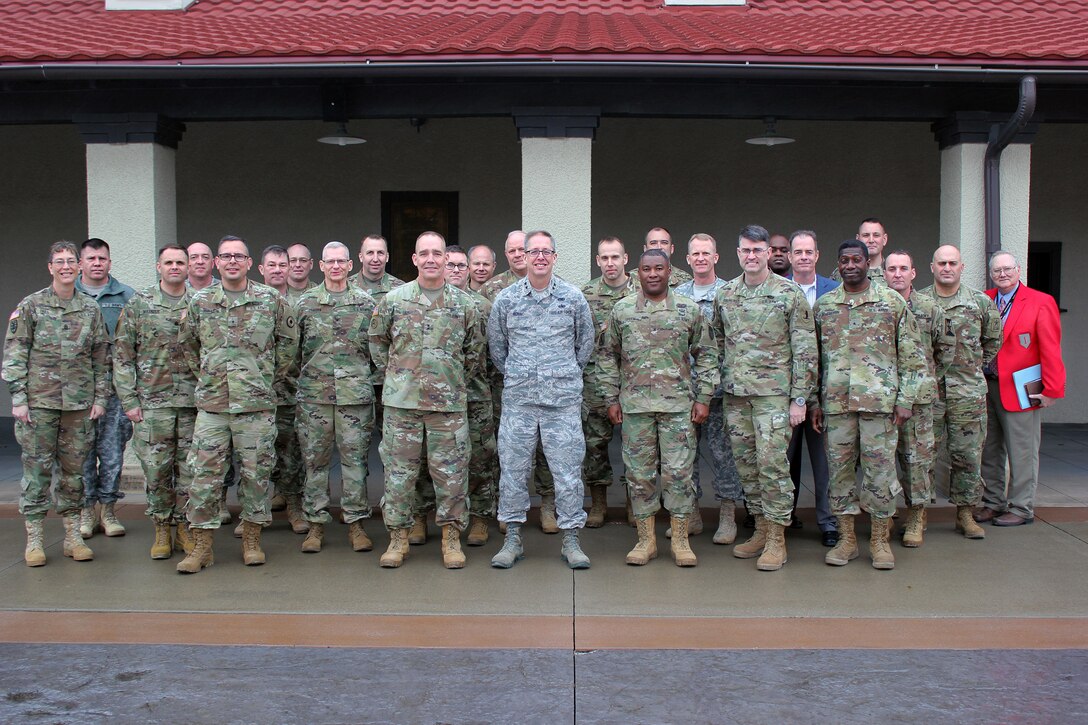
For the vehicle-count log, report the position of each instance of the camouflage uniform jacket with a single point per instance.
(541, 341)
(149, 367)
(428, 353)
(111, 301)
(242, 351)
(56, 355)
(871, 358)
(334, 347)
(706, 305)
(678, 277)
(294, 295)
(498, 283)
(601, 298)
(938, 347)
(973, 320)
(651, 346)
(378, 289)
(479, 388)
(875, 275)
(765, 339)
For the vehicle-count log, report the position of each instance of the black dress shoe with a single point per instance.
(830, 538)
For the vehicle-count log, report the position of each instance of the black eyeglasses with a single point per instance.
(233, 257)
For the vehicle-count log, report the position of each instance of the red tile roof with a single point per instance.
(1052, 32)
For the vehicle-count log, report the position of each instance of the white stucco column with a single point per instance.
(963, 207)
(963, 139)
(131, 190)
(556, 195)
(557, 182)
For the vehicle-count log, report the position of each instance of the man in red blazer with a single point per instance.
(1031, 335)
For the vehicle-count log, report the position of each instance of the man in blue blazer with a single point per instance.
(804, 253)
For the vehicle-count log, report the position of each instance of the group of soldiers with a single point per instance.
(481, 383)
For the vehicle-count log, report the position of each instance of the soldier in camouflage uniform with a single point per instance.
(602, 294)
(871, 232)
(541, 336)
(55, 361)
(156, 388)
(372, 277)
(916, 447)
(298, 277)
(484, 458)
(714, 445)
(428, 338)
(514, 248)
(959, 414)
(335, 397)
(287, 475)
(763, 327)
(102, 469)
(658, 372)
(660, 238)
(240, 340)
(481, 263)
(871, 366)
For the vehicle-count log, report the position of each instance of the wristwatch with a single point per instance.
(799, 401)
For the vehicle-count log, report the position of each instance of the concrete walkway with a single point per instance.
(963, 631)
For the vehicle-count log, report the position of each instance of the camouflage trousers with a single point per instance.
(253, 436)
(559, 432)
(915, 455)
(161, 442)
(541, 474)
(959, 432)
(53, 437)
(659, 440)
(759, 432)
(447, 450)
(597, 468)
(483, 473)
(868, 439)
(103, 464)
(714, 447)
(288, 474)
(348, 429)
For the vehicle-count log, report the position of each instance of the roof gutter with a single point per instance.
(845, 68)
(1000, 137)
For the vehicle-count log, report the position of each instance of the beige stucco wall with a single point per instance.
(272, 182)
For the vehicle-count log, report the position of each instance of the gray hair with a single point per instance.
(335, 245)
(994, 256)
(804, 233)
(539, 233)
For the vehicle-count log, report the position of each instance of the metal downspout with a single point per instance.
(1000, 137)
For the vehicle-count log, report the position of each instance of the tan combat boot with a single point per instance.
(201, 554)
(916, 524)
(847, 548)
(418, 533)
(774, 552)
(161, 548)
(695, 524)
(73, 542)
(88, 520)
(753, 547)
(452, 556)
(727, 523)
(35, 550)
(239, 529)
(681, 549)
(358, 538)
(110, 525)
(646, 548)
(548, 522)
(397, 552)
(880, 548)
(598, 506)
(183, 538)
(965, 523)
(251, 544)
(278, 502)
(312, 543)
(298, 522)
(477, 531)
